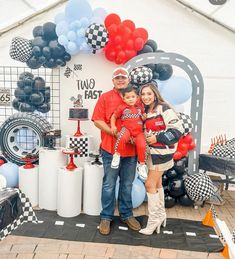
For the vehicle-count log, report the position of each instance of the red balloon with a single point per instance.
(191, 146)
(110, 54)
(182, 147)
(130, 45)
(129, 24)
(112, 19)
(121, 55)
(112, 30)
(130, 54)
(188, 138)
(142, 33)
(177, 155)
(138, 44)
(117, 40)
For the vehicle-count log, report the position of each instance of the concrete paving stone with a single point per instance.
(5, 248)
(46, 256)
(141, 251)
(75, 248)
(25, 256)
(215, 256)
(23, 248)
(47, 248)
(75, 256)
(110, 252)
(168, 253)
(63, 256)
(8, 256)
(94, 250)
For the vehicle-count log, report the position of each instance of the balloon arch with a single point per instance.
(197, 94)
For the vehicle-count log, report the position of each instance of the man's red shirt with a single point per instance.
(105, 107)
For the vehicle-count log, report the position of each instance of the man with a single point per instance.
(106, 105)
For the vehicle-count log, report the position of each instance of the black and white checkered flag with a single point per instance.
(186, 121)
(141, 75)
(226, 150)
(20, 49)
(96, 36)
(199, 187)
(222, 239)
(27, 215)
(233, 236)
(214, 214)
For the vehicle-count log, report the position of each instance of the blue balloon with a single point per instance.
(62, 28)
(62, 39)
(71, 35)
(176, 90)
(59, 17)
(100, 12)
(138, 192)
(10, 172)
(76, 9)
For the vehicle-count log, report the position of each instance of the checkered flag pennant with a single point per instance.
(20, 49)
(214, 214)
(28, 215)
(199, 187)
(230, 142)
(96, 36)
(186, 122)
(226, 150)
(141, 75)
(222, 239)
(233, 236)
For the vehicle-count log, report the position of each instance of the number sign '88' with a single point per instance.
(5, 97)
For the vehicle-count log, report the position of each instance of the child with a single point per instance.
(131, 115)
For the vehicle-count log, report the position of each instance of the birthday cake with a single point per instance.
(78, 113)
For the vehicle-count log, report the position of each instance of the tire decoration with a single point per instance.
(12, 126)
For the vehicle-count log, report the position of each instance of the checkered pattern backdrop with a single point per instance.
(141, 75)
(82, 143)
(21, 49)
(96, 36)
(199, 187)
(28, 215)
(186, 121)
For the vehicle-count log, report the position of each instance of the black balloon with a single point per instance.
(46, 52)
(36, 98)
(176, 187)
(28, 81)
(28, 89)
(165, 71)
(39, 41)
(67, 57)
(16, 104)
(20, 83)
(151, 66)
(42, 60)
(49, 31)
(37, 31)
(180, 165)
(145, 49)
(20, 94)
(33, 63)
(185, 200)
(171, 173)
(39, 84)
(36, 51)
(169, 201)
(25, 107)
(47, 94)
(25, 74)
(155, 75)
(44, 108)
(164, 180)
(152, 44)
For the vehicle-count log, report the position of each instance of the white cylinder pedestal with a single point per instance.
(28, 183)
(93, 177)
(49, 163)
(69, 195)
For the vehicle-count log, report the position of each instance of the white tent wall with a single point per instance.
(176, 29)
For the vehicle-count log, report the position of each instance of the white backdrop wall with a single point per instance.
(175, 29)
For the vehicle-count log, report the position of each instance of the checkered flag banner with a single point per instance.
(27, 215)
(96, 36)
(230, 142)
(226, 150)
(186, 122)
(141, 75)
(222, 239)
(20, 49)
(214, 214)
(199, 187)
(233, 236)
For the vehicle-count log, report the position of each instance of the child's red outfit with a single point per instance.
(132, 126)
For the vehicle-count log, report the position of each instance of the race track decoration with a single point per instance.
(187, 122)
(21, 129)
(20, 49)
(199, 187)
(96, 36)
(141, 75)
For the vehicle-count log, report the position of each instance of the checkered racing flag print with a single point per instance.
(27, 215)
(199, 187)
(96, 36)
(82, 143)
(20, 49)
(186, 122)
(233, 236)
(141, 75)
(226, 150)
(214, 214)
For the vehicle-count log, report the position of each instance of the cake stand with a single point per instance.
(71, 152)
(78, 133)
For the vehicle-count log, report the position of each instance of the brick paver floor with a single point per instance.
(20, 247)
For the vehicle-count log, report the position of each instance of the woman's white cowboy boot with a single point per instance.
(156, 214)
(162, 211)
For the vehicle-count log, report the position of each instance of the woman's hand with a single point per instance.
(151, 139)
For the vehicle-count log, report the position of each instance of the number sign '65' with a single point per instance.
(5, 97)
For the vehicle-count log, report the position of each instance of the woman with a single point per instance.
(163, 129)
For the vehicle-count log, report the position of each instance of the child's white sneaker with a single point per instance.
(142, 171)
(116, 161)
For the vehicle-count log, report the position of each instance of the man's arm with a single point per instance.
(103, 126)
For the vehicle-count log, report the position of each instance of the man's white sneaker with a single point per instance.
(116, 161)
(142, 171)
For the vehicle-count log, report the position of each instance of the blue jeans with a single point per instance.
(126, 173)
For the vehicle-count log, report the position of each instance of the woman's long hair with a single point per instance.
(158, 99)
